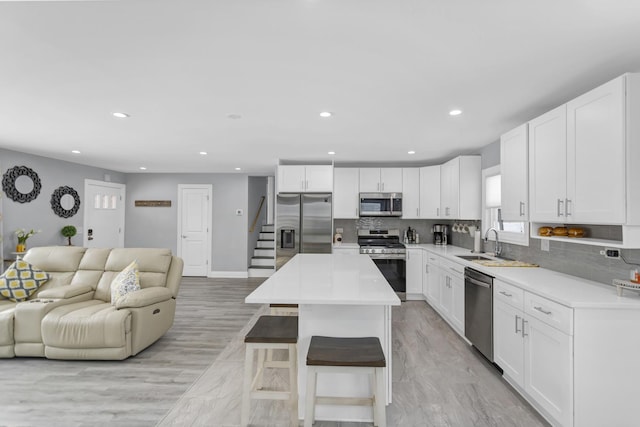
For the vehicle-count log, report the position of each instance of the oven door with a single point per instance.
(394, 269)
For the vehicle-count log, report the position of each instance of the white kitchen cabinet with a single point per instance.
(577, 159)
(411, 193)
(430, 192)
(534, 347)
(548, 369)
(346, 193)
(376, 180)
(414, 274)
(431, 279)
(514, 172)
(300, 178)
(445, 290)
(460, 188)
(596, 155)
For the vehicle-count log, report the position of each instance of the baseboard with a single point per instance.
(228, 274)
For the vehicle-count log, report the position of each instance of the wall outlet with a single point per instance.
(239, 212)
(339, 230)
(544, 245)
(610, 253)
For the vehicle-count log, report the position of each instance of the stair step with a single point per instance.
(270, 252)
(268, 228)
(266, 244)
(263, 261)
(267, 236)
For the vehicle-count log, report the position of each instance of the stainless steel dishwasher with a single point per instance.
(478, 311)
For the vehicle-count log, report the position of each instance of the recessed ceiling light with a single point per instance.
(455, 112)
(234, 116)
(238, 169)
(75, 151)
(203, 153)
(121, 115)
(331, 153)
(326, 114)
(142, 168)
(411, 152)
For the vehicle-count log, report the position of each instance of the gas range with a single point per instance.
(381, 243)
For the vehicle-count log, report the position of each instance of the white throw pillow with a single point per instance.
(126, 281)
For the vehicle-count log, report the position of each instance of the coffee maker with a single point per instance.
(440, 234)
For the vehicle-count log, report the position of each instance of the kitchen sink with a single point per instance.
(475, 257)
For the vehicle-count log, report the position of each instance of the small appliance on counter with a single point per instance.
(440, 234)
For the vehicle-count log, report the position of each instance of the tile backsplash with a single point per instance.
(566, 257)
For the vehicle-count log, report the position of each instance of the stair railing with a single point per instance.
(255, 220)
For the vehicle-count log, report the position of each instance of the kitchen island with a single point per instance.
(339, 296)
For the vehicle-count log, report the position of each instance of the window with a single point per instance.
(515, 232)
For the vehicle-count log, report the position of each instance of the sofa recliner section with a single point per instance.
(71, 316)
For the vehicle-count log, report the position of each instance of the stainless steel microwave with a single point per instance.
(380, 204)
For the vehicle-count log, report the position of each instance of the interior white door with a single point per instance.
(194, 222)
(103, 214)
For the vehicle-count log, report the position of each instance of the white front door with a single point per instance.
(103, 214)
(194, 222)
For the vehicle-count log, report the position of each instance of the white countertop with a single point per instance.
(326, 279)
(343, 245)
(568, 290)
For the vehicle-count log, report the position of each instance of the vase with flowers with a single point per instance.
(22, 236)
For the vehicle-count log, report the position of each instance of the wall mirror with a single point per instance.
(65, 202)
(21, 184)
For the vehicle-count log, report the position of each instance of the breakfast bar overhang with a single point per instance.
(339, 296)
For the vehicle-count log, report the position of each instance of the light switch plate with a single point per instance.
(544, 245)
(339, 230)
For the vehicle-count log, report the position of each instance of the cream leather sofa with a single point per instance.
(71, 316)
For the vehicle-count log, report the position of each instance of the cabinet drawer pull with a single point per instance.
(560, 203)
(517, 318)
(505, 294)
(566, 207)
(521, 208)
(437, 211)
(524, 322)
(542, 311)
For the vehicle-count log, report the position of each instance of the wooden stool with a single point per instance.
(270, 332)
(346, 355)
(284, 309)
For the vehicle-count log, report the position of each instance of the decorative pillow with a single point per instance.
(125, 282)
(21, 280)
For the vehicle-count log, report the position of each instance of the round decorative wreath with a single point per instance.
(9, 184)
(56, 198)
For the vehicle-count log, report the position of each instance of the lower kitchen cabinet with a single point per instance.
(536, 357)
(445, 290)
(431, 279)
(414, 274)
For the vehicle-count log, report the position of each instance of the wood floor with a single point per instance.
(192, 376)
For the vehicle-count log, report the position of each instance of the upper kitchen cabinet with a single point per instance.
(411, 193)
(430, 192)
(305, 179)
(460, 188)
(514, 171)
(547, 165)
(346, 192)
(596, 155)
(577, 159)
(377, 180)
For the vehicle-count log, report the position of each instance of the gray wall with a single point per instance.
(490, 155)
(157, 227)
(38, 214)
(257, 190)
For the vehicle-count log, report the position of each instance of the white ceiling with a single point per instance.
(389, 70)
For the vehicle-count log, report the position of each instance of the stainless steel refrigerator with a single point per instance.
(303, 225)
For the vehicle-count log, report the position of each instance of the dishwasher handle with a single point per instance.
(477, 282)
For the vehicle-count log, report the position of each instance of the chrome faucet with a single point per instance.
(498, 248)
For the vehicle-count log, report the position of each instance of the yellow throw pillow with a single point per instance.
(21, 280)
(126, 281)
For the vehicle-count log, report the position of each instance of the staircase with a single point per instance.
(263, 261)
